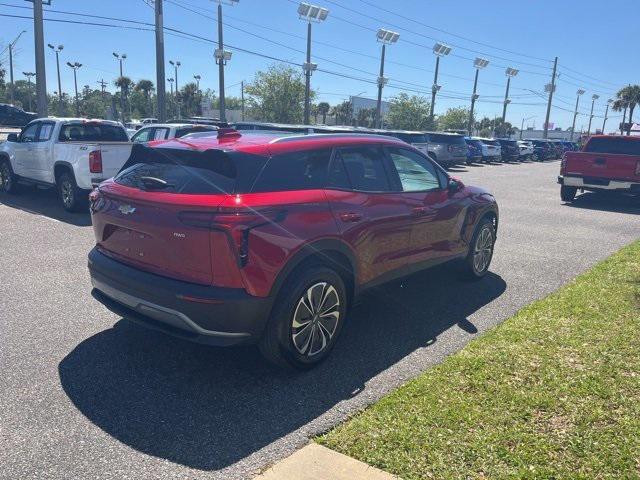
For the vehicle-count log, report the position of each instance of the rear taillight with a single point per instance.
(237, 222)
(638, 167)
(95, 161)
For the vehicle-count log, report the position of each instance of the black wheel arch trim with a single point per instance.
(64, 164)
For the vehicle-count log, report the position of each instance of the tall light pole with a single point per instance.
(57, 51)
(10, 47)
(160, 74)
(479, 63)
(41, 75)
(175, 66)
(550, 88)
(170, 80)
(29, 75)
(594, 97)
(510, 73)
(606, 112)
(440, 50)
(242, 97)
(386, 37)
(310, 13)
(522, 124)
(75, 66)
(121, 58)
(579, 93)
(222, 56)
(197, 78)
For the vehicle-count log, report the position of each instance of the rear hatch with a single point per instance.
(156, 214)
(455, 144)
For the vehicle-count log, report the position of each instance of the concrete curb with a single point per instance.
(315, 462)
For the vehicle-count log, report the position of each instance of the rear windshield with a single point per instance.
(181, 132)
(92, 132)
(189, 172)
(509, 143)
(615, 145)
(411, 137)
(448, 139)
(491, 142)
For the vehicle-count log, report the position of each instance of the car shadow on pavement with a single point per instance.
(607, 202)
(207, 408)
(45, 202)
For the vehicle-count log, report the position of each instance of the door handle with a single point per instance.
(350, 217)
(419, 211)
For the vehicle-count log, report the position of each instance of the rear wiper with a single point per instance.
(153, 183)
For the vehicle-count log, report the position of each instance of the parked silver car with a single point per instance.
(448, 149)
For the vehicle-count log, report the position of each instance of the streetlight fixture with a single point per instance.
(121, 58)
(75, 66)
(479, 63)
(386, 37)
(57, 51)
(170, 80)
(29, 75)
(594, 97)
(197, 78)
(310, 14)
(10, 48)
(510, 73)
(606, 112)
(522, 124)
(440, 50)
(579, 93)
(175, 66)
(222, 57)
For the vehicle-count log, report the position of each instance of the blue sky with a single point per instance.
(595, 45)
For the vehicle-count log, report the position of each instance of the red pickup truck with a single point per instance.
(606, 162)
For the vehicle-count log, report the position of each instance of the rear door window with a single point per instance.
(305, 170)
(46, 129)
(614, 145)
(365, 168)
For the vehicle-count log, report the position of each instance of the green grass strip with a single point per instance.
(553, 392)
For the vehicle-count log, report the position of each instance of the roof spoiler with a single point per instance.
(228, 132)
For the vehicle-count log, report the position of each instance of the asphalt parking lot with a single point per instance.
(83, 394)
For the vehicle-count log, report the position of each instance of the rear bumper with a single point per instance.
(594, 183)
(203, 314)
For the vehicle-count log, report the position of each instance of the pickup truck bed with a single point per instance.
(605, 163)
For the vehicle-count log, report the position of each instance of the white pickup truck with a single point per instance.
(73, 155)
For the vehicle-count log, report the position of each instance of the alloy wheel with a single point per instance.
(483, 250)
(315, 319)
(4, 177)
(66, 190)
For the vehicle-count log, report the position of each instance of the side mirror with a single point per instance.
(12, 137)
(454, 185)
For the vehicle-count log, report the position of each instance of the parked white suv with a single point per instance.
(491, 149)
(526, 149)
(166, 131)
(72, 154)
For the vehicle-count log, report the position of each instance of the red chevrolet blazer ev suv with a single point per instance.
(266, 239)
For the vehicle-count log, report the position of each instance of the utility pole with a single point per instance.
(551, 88)
(75, 66)
(440, 50)
(29, 75)
(479, 63)
(197, 79)
(57, 51)
(41, 74)
(510, 72)
(120, 59)
(160, 73)
(103, 85)
(11, 46)
(222, 56)
(594, 97)
(242, 96)
(575, 113)
(606, 112)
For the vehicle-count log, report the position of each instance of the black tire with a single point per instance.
(285, 347)
(471, 269)
(8, 180)
(567, 194)
(73, 199)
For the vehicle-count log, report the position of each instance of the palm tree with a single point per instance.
(620, 105)
(629, 98)
(146, 87)
(124, 84)
(323, 109)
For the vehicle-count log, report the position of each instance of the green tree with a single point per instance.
(190, 100)
(323, 109)
(454, 119)
(343, 112)
(125, 84)
(146, 87)
(409, 113)
(628, 97)
(277, 95)
(365, 117)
